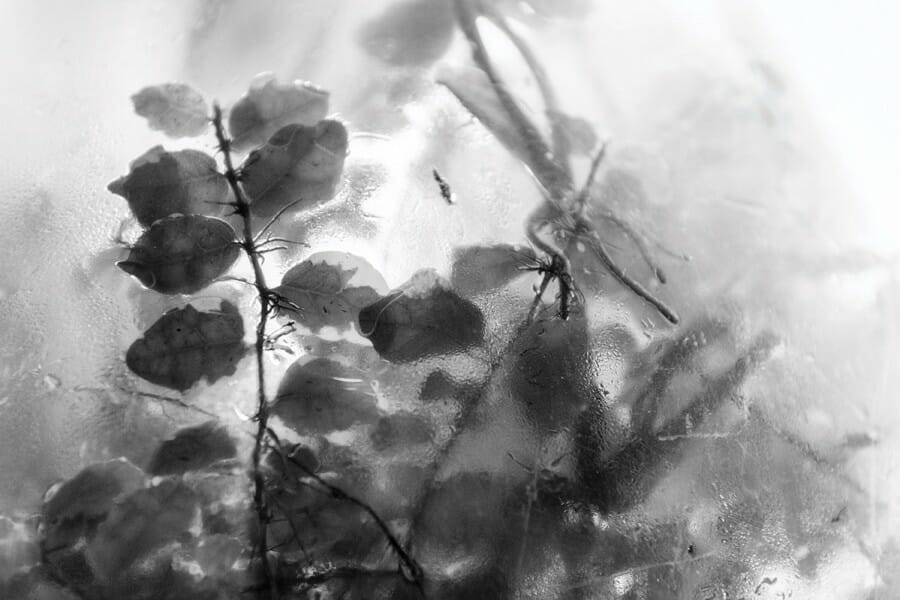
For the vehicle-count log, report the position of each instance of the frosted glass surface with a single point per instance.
(562, 462)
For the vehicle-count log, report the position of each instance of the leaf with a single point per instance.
(551, 375)
(192, 449)
(70, 506)
(473, 89)
(298, 163)
(185, 345)
(322, 294)
(579, 132)
(322, 395)
(422, 318)
(268, 106)
(176, 109)
(401, 430)
(479, 269)
(144, 521)
(161, 183)
(413, 33)
(182, 254)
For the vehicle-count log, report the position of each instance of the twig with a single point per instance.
(554, 178)
(242, 208)
(275, 218)
(617, 272)
(580, 201)
(413, 572)
(561, 145)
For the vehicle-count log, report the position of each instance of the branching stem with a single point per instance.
(242, 208)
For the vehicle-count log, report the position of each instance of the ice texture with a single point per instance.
(748, 452)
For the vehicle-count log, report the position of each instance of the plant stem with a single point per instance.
(549, 173)
(242, 207)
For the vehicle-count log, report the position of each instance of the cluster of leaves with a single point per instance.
(484, 460)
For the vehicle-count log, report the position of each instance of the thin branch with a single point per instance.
(639, 290)
(413, 571)
(640, 242)
(536, 303)
(581, 199)
(561, 144)
(275, 218)
(547, 171)
(242, 208)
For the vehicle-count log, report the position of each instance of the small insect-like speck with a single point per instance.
(446, 193)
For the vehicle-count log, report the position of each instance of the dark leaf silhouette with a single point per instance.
(321, 293)
(176, 109)
(440, 387)
(185, 345)
(144, 521)
(182, 254)
(401, 430)
(193, 448)
(479, 269)
(550, 376)
(299, 163)
(322, 395)
(268, 106)
(86, 498)
(162, 183)
(473, 89)
(412, 33)
(578, 132)
(422, 318)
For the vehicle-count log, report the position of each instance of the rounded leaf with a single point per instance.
(412, 33)
(182, 254)
(144, 521)
(422, 318)
(87, 497)
(299, 163)
(268, 106)
(185, 345)
(176, 109)
(321, 294)
(322, 395)
(192, 449)
(162, 183)
(479, 269)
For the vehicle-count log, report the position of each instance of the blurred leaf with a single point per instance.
(185, 345)
(268, 106)
(322, 395)
(464, 517)
(176, 109)
(578, 132)
(162, 183)
(570, 9)
(193, 448)
(144, 521)
(298, 163)
(401, 430)
(473, 89)
(299, 461)
(413, 33)
(70, 507)
(551, 376)
(440, 386)
(322, 294)
(479, 269)
(182, 254)
(424, 317)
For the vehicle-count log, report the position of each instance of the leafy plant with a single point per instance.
(503, 472)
